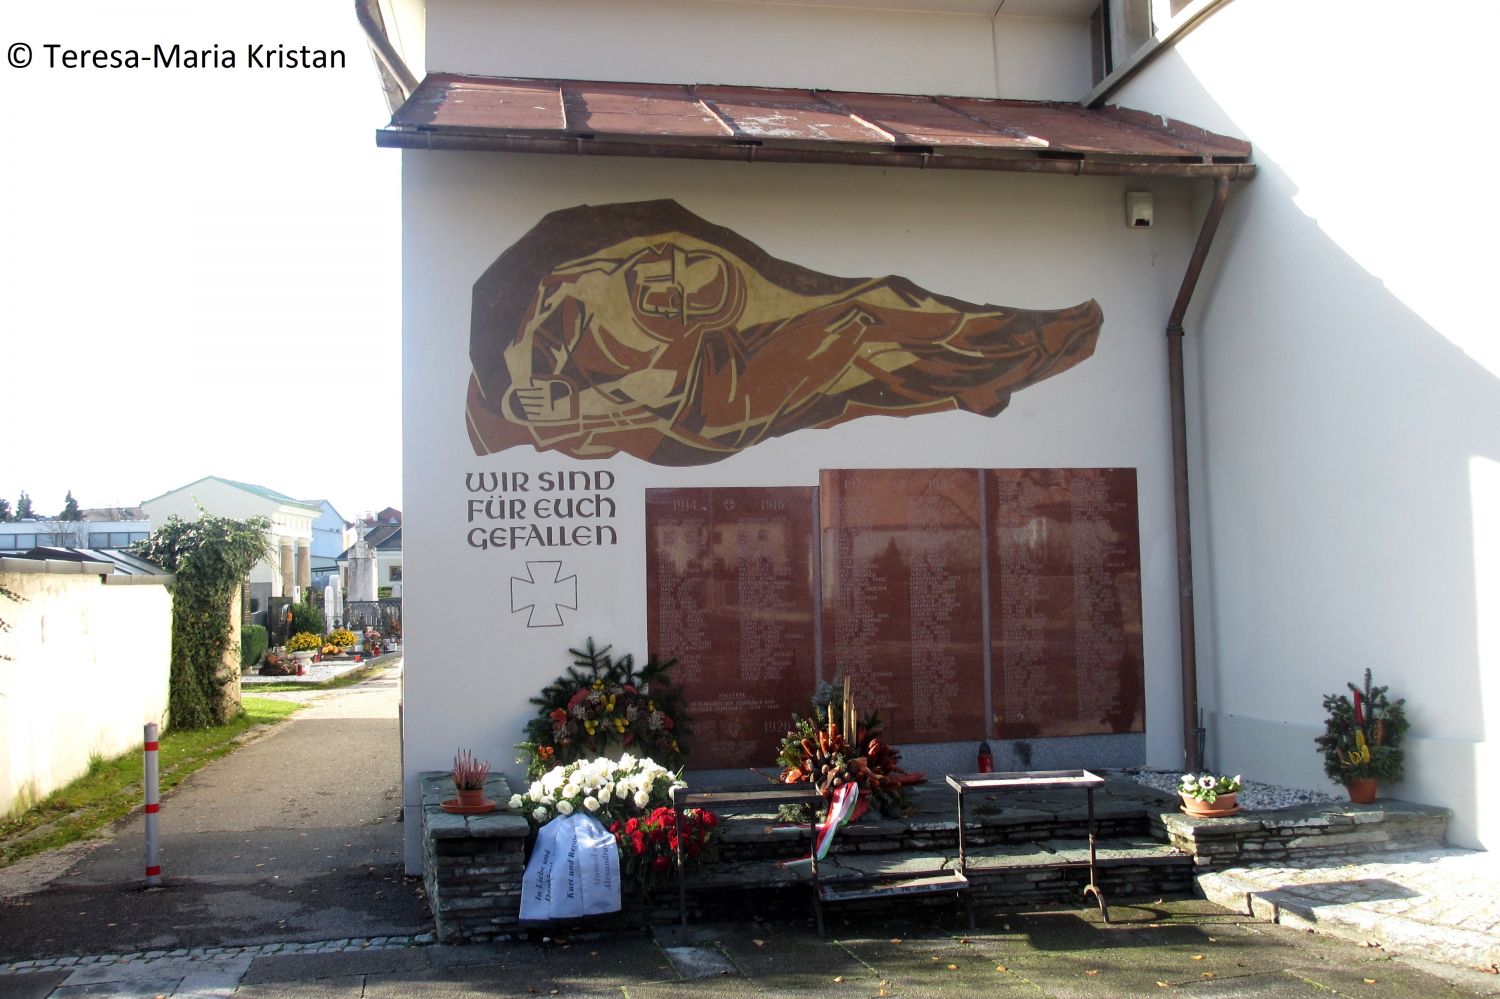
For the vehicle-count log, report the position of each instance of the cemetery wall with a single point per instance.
(88, 668)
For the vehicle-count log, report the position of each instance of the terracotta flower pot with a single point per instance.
(1361, 790)
(1225, 804)
(469, 798)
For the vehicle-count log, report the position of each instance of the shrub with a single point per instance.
(306, 617)
(304, 641)
(254, 641)
(210, 557)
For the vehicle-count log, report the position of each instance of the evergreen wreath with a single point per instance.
(601, 703)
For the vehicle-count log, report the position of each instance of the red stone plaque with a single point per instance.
(902, 604)
(729, 573)
(1065, 602)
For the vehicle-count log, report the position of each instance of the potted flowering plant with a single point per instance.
(468, 780)
(1362, 737)
(303, 646)
(1210, 795)
(338, 640)
(602, 706)
(304, 641)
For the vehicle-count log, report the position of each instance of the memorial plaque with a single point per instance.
(730, 581)
(902, 604)
(1065, 602)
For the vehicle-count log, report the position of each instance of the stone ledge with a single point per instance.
(472, 864)
(1307, 831)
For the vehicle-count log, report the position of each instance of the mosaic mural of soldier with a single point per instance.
(642, 328)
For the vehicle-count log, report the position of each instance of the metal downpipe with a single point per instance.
(1192, 731)
(385, 52)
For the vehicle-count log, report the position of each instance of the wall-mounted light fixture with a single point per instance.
(1138, 209)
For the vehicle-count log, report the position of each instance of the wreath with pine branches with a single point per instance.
(603, 706)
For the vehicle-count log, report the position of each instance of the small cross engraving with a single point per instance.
(544, 591)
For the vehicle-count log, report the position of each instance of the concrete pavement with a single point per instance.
(292, 837)
(1192, 946)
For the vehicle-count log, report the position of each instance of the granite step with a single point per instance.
(1328, 829)
(1001, 877)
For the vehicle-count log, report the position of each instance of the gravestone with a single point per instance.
(362, 576)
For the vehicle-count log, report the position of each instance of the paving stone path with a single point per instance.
(1440, 903)
(1187, 946)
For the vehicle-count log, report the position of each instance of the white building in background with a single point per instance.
(100, 527)
(1342, 373)
(289, 566)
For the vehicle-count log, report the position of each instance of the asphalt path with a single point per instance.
(295, 836)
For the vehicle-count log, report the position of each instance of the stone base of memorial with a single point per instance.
(1287, 835)
(472, 864)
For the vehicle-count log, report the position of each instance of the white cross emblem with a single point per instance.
(544, 592)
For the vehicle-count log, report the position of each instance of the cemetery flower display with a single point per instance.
(602, 705)
(649, 844)
(342, 637)
(1207, 787)
(304, 641)
(605, 788)
(633, 799)
(834, 746)
(1363, 734)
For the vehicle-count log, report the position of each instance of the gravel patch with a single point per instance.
(1254, 796)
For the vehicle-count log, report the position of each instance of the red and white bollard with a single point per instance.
(153, 803)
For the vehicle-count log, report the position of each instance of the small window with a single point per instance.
(395, 574)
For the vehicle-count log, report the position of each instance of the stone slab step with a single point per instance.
(925, 884)
(1436, 904)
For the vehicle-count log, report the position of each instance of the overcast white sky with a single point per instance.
(199, 269)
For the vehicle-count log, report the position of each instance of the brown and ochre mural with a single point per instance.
(644, 329)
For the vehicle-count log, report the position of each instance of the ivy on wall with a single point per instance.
(210, 557)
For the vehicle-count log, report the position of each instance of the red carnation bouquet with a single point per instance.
(648, 845)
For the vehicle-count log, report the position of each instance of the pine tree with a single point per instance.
(23, 507)
(5, 516)
(70, 509)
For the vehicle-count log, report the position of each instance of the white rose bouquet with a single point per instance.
(607, 789)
